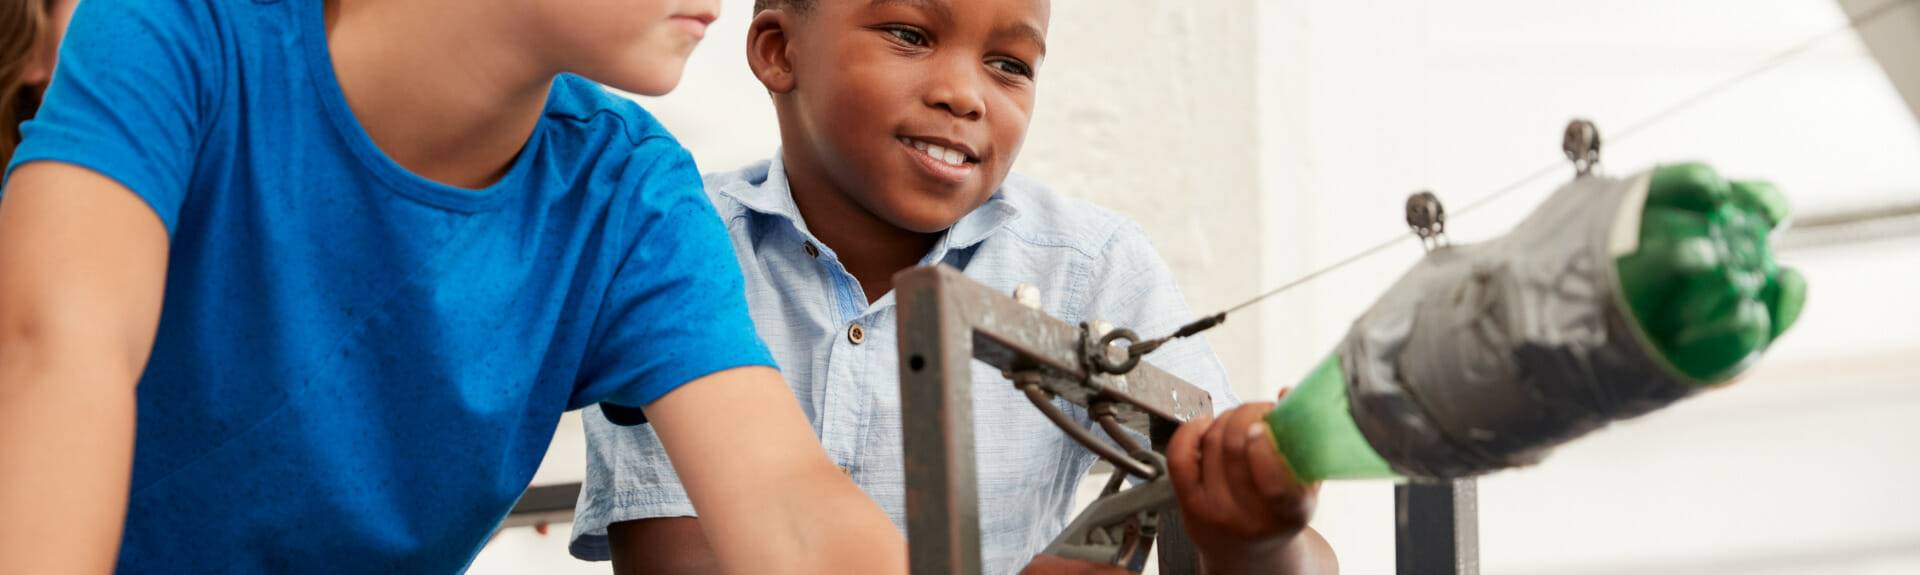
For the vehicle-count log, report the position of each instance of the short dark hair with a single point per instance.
(792, 5)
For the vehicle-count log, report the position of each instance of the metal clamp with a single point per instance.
(1582, 145)
(1095, 351)
(1428, 219)
(1030, 382)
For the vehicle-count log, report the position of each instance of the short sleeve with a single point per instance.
(676, 308)
(1132, 287)
(629, 478)
(130, 97)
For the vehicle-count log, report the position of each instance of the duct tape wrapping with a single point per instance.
(1487, 356)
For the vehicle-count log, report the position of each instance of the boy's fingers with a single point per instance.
(1233, 428)
(1283, 493)
(1272, 476)
(1240, 476)
(1249, 507)
(1213, 464)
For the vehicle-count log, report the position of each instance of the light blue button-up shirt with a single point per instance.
(1089, 264)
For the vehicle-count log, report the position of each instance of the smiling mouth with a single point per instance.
(943, 154)
(942, 162)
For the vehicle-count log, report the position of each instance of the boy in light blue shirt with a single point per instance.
(900, 122)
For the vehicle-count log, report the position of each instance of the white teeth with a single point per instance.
(946, 155)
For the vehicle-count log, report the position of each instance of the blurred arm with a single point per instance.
(82, 267)
(661, 546)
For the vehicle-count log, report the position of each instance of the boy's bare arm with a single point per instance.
(82, 266)
(770, 500)
(661, 546)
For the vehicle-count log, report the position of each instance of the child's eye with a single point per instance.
(1014, 67)
(907, 35)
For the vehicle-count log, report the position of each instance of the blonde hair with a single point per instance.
(22, 22)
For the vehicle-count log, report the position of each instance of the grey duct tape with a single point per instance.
(1487, 356)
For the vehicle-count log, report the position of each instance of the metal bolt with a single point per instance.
(1427, 218)
(1582, 145)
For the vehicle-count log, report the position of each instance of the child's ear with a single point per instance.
(768, 50)
(37, 72)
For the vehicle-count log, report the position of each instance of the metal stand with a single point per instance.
(1437, 528)
(946, 322)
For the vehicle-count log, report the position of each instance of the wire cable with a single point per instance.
(1693, 100)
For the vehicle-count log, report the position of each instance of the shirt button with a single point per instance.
(812, 252)
(856, 334)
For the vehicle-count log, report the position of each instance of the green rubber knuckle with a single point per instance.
(1314, 429)
(1763, 199)
(1691, 186)
(1703, 285)
(1785, 296)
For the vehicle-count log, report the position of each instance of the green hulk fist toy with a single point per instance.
(1615, 298)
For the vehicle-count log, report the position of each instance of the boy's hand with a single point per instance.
(1241, 504)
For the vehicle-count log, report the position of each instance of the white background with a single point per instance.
(1258, 141)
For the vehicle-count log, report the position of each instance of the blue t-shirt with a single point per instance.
(358, 370)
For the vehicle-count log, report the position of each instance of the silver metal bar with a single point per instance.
(936, 404)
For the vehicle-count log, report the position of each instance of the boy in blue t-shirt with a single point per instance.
(900, 123)
(359, 257)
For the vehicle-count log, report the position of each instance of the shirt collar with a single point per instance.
(773, 196)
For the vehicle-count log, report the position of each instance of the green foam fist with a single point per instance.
(1314, 430)
(1703, 284)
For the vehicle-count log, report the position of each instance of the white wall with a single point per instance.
(1260, 139)
(1806, 466)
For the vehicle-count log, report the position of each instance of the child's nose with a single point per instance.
(956, 88)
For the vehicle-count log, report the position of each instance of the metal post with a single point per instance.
(1177, 555)
(1436, 528)
(943, 502)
